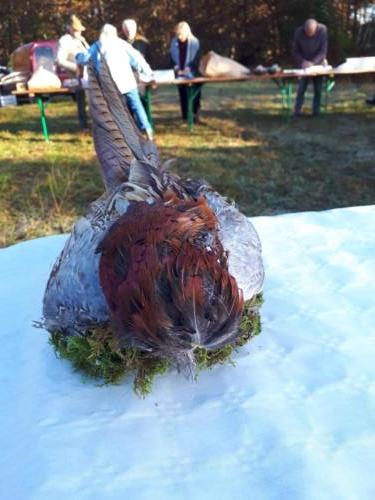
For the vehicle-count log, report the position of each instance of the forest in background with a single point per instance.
(250, 31)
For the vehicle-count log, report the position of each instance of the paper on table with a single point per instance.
(357, 64)
(318, 68)
(159, 75)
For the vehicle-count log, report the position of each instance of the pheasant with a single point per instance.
(166, 262)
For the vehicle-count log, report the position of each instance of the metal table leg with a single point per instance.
(190, 99)
(286, 92)
(43, 119)
(148, 106)
(192, 92)
(328, 86)
(289, 96)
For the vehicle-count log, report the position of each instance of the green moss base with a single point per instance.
(97, 356)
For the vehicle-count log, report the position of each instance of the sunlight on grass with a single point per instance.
(246, 149)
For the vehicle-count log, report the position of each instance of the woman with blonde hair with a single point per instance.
(185, 56)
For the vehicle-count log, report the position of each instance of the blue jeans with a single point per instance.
(302, 86)
(137, 110)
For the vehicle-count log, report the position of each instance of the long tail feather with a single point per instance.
(117, 138)
(112, 151)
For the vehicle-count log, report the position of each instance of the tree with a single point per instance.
(251, 31)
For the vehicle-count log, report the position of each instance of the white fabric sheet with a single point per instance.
(295, 419)
(357, 64)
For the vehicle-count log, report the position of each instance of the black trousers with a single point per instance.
(81, 108)
(302, 86)
(183, 93)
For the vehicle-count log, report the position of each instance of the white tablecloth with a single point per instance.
(295, 419)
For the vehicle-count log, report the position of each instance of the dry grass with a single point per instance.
(245, 149)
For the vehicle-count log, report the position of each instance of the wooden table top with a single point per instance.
(202, 79)
(267, 76)
(46, 90)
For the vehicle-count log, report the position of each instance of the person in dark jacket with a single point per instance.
(310, 46)
(185, 56)
(132, 35)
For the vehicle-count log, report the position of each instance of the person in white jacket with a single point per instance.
(68, 47)
(122, 59)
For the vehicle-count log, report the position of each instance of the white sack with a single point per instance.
(44, 79)
(213, 65)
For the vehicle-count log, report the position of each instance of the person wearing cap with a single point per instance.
(310, 47)
(185, 56)
(132, 36)
(121, 58)
(69, 45)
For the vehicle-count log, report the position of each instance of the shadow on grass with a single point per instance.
(265, 183)
(61, 118)
(37, 186)
(260, 183)
(39, 138)
(56, 125)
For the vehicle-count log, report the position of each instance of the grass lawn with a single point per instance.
(245, 149)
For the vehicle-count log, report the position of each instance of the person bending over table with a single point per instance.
(67, 48)
(121, 58)
(185, 56)
(310, 46)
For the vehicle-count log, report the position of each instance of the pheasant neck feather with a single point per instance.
(164, 273)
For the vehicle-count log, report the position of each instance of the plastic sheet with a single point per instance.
(295, 419)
